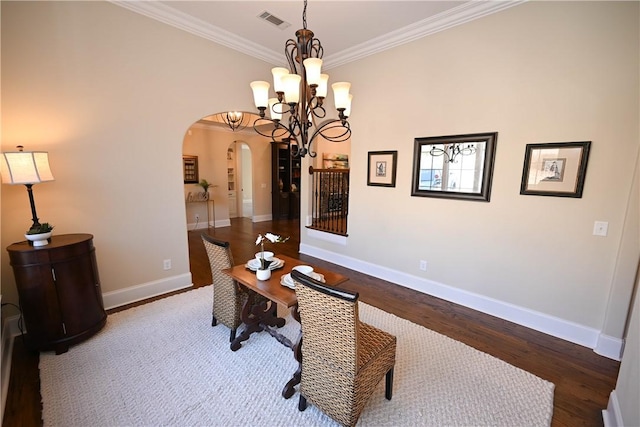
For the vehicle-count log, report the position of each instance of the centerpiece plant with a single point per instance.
(273, 238)
(45, 227)
(206, 185)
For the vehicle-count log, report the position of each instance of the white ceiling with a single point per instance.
(348, 30)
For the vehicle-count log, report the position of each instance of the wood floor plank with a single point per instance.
(583, 379)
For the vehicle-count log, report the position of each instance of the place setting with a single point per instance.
(255, 264)
(287, 281)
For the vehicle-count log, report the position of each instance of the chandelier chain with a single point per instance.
(304, 15)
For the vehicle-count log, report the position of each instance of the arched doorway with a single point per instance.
(239, 180)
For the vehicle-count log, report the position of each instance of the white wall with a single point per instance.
(539, 72)
(110, 94)
(623, 409)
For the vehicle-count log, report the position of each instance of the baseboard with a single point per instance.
(610, 347)
(612, 417)
(554, 326)
(146, 290)
(261, 218)
(226, 222)
(197, 226)
(223, 223)
(9, 331)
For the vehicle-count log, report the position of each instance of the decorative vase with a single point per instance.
(263, 274)
(41, 239)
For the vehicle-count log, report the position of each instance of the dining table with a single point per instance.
(260, 315)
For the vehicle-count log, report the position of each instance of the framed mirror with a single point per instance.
(454, 167)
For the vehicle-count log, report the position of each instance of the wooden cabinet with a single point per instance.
(285, 183)
(59, 290)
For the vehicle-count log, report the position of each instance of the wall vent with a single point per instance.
(272, 19)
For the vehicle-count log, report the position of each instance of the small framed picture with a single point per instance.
(190, 169)
(382, 168)
(555, 169)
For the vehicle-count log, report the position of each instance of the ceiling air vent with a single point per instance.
(272, 19)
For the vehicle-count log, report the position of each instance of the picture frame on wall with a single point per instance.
(454, 166)
(382, 168)
(335, 161)
(190, 169)
(555, 169)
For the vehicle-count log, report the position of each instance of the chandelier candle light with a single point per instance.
(301, 91)
(236, 120)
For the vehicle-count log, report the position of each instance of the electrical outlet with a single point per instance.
(166, 264)
(423, 265)
(197, 217)
(600, 228)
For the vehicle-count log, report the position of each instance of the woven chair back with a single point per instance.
(226, 301)
(329, 321)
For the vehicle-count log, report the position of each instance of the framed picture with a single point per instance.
(382, 168)
(454, 166)
(190, 169)
(335, 161)
(555, 169)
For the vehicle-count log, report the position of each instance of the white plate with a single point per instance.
(287, 281)
(254, 264)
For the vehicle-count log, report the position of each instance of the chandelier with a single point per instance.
(236, 120)
(451, 151)
(301, 91)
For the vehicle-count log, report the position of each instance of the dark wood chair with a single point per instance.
(343, 359)
(228, 295)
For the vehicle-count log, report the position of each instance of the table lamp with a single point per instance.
(28, 168)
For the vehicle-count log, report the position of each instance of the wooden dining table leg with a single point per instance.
(289, 389)
(250, 320)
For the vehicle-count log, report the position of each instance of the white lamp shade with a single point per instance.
(275, 115)
(277, 73)
(312, 67)
(341, 94)
(321, 90)
(292, 88)
(347, 111)
(260, 93)
(25, 167)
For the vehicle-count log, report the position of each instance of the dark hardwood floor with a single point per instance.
(583, 379)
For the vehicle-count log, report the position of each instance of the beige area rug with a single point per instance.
(162, 364)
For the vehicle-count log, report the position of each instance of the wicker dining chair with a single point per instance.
(228, 296)
(343, 359)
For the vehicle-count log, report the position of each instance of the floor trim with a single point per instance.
(146, 290)
(10, 330)
(554, 326)
(612, 416)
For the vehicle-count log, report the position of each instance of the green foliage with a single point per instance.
(42, 228)
(204, 184)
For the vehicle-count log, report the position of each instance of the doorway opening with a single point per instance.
(239, 180)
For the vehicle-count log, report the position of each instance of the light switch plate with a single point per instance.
(600, 228)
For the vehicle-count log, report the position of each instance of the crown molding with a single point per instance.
(168, 15)
(453, 17)
(456, 16)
